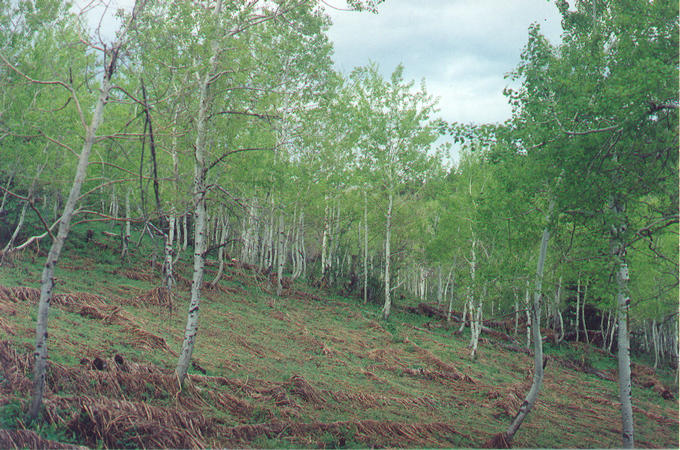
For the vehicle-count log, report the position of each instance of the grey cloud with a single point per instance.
(462, 48)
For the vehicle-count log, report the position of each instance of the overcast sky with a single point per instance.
(463, 48)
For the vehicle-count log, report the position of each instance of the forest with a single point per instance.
(236, 245)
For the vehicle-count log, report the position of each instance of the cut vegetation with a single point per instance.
(306, 369)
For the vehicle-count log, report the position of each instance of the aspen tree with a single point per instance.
(47, 279)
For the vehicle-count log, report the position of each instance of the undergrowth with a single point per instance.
(309, 369)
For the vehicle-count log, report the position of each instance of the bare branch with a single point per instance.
(597, 130)
(263, 116)
(240, 150)
(32, 205)
(53, 83)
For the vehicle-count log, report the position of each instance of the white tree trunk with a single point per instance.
(199, 197)
(462, 317)
(185, 233)
(281, 256)
(47, 279)
(623, 356)
(114, 207)
(618, 253)
(199, 237)
(655, 345)
(527, 309)
(168, 272)
(365, 248)
(578, 299)
(388, 235)
(125, 243)
(475, 327)
(303, 248)
(558, 313)
(7, 187)
(446, 290)
(531, 397)
(324, 242)
(220, 252)
(22, 216)
(475, 304)
(613, 328)
(583, 312)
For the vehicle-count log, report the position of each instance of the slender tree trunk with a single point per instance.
(47, 279)
(462, 317)
(185, 233)
(613, 328)
(446, 290)
(9, 246)
(450, 309)
(220, 252)
(558, 313)
(168, 272)
(388, 235)
(475, 326)
(578, 299)
(625, 389)
(303, 248)
(324, 244)
(531, 397)
(655, 344)
(299, 250)
(440, 286)
(583, 312)
(199, 194)
(127, 233)
(247, 227)
(618, 252)
(475, 311)
(7, 188)
(281, 256)
(527, 309)
(114, 208)
(365, 248)
(516, 315)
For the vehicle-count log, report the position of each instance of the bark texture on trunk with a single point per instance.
(532, 396)
(47, 279)
(199, 194)
(199, 233)
(475, 304)
(618, 251)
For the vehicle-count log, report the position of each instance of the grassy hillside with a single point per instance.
(306, 370)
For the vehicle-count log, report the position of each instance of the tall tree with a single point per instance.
(110, 59)
(602, 106)
(396, 132)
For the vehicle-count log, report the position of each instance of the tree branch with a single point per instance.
(53, 83)
(32, 205)
(240, 150)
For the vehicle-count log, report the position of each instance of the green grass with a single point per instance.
(338, 345)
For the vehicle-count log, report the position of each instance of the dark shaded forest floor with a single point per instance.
(309, 369)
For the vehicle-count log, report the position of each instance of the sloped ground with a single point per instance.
(304, 370)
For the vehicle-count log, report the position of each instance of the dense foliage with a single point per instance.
(307, 173)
